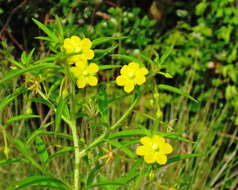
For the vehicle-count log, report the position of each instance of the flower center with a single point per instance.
(85, 73)
(78, 49)
(131, 74)
(155, 146)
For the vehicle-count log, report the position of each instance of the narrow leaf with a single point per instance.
(46, 30)
(17, 72)
(39, 181)
(176, 90)
(107, 39)
(20, 117)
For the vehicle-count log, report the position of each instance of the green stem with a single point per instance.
(77, 154)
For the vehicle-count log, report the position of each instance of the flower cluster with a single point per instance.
(84, 72)
(131, 75)
(154, 149)
(80, 46)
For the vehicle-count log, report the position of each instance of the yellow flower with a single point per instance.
(81, 46)
(131, 75)
(154, 149)
(85, 74)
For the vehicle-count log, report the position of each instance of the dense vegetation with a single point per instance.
(119, 94)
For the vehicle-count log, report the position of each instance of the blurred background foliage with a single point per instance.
(201, 37)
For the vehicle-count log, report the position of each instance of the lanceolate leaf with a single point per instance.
(41, 149)
(17, 72)
(12, 160)
(11, 97)
(106, 39)
(46, 30)
(20, 117)
(176, 90)
(39, 181)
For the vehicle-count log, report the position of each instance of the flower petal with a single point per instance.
(150, 158)
(89, 54)
(140, 79)
(92, 80)
(129, 87)
(147, 141)
(86, 43)
(142, 150)
(120, 80)
(124, 70)
(92, 68)
(158, 140)
(142, 71)
(161, 158)
(165, 148)
(133, 66)
(81, 82)
(75, 40)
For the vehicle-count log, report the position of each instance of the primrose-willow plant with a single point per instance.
(63, 81)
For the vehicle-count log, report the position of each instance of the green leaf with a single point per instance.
(121, 147)
(20, 117)
(126, 58)
(41, 149)
(104, 67)
(41, 132)
(5, 101)
(39, 181)
(167, 75)
(60, 152)
(24, 150)
(46, 30)
(60, 28)
(100, 53)
(176, 90)
(93, 173)
(12, 160)
(166, 55)
(106, 183)
(17, 72)
(181, 157)
(103, 40)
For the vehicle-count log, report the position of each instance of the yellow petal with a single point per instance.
(81, 65)
(161, 158)
(141, 150)
(120, 80)
(124, 70)
(134, 66)
(92, 80)
(165, 148)
(81, 82)
(75, 39)
(147, 141)
(92, 68)
(129, 87)
(140, 79)
(89, 54)
(142, 71)
(150, 158)
(158, 140)
(86, 43)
